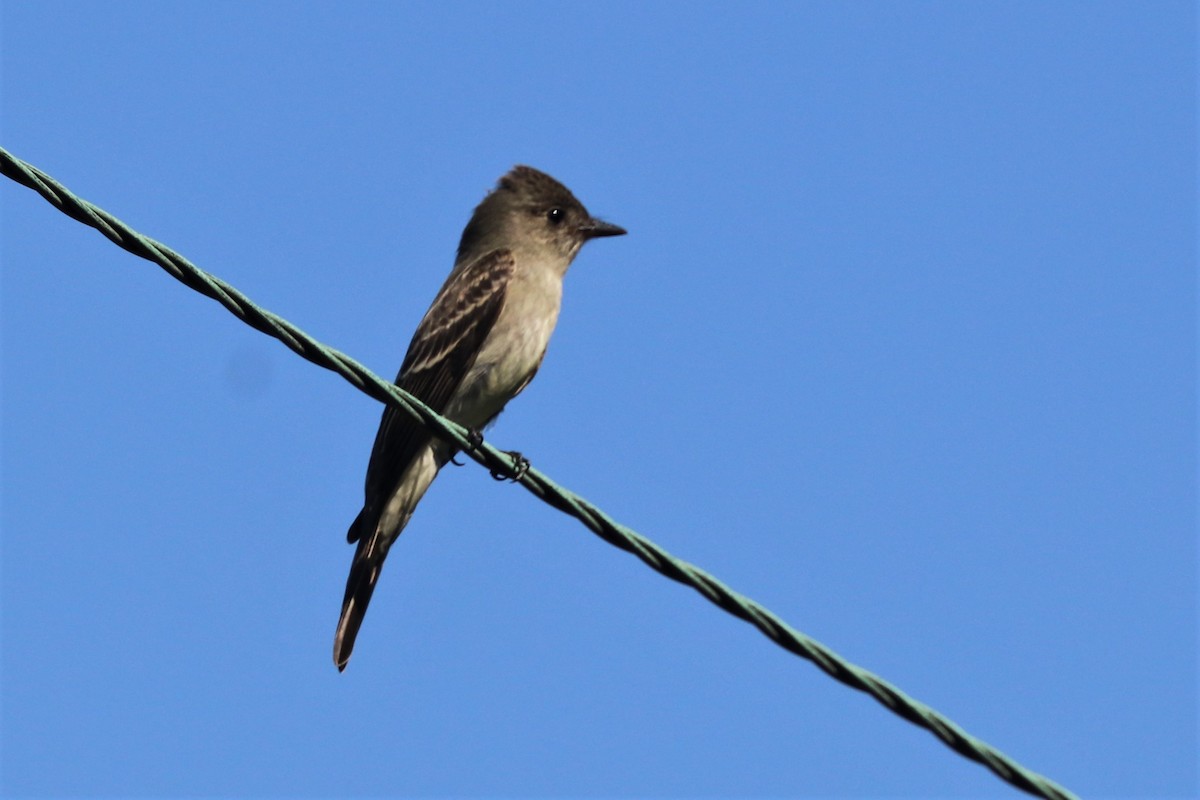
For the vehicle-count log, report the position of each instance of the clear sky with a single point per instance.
(901, 343)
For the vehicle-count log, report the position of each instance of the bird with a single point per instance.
(477, 347)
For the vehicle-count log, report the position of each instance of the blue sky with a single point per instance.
(901, 343)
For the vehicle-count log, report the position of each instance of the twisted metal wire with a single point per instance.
(541, 486)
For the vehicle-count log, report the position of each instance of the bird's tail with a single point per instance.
(364, 572)
(375, 529)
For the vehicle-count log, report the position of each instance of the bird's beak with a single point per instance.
(595, 228)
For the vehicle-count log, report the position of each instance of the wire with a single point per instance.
(564, 500)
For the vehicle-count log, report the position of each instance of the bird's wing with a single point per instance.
(442, 350)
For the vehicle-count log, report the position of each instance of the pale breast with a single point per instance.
(513, 350)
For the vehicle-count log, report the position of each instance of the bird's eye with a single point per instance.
(556, 215)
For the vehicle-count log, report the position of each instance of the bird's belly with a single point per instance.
(504, 366)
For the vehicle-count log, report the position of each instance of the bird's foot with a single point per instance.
(474, 439)
(519, 468)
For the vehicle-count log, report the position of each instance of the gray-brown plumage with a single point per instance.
(478, 346)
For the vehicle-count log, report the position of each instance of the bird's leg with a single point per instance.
(474, 439)
(519, 468)
(520, 463)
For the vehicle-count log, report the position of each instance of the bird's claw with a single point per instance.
(519, 468)
(474, 439)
